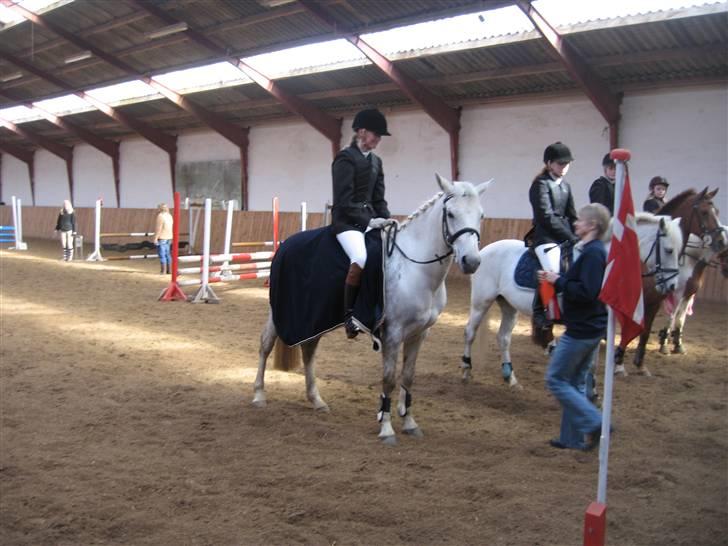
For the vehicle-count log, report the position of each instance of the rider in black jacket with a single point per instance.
(358, 189)
(553, 217)
(602, 189)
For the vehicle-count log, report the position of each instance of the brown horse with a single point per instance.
(698, 216)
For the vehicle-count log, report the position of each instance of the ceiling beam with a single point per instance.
(235, 134)
(443, 114)
(597, 90)
(167, 142)
(328, 126)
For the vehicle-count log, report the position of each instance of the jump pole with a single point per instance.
(14, 233)
(173, 292)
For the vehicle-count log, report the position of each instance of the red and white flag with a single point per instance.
(622, 286)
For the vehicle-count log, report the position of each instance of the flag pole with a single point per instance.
(596, 514)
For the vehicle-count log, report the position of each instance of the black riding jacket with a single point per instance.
(602, 191)
(553, 211)
(358, 188)
(66, 221)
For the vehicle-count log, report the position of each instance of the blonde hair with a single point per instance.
(67, 206)
(597, 214)
(162, 207)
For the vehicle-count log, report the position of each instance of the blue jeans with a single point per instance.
(163, 251)
(566, 377)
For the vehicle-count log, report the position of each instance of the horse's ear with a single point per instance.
(480, 188)
(444, 183)
(712, 194)
(703, 192)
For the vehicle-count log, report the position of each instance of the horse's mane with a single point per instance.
(675, 235)
(467, 188)
(421, 209)
(676, 202)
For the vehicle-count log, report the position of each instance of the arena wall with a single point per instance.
(39, 222)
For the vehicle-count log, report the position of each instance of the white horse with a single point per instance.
(494, 282)
(697, 256)
(420, 252)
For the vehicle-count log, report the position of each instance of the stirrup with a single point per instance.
(352, 330)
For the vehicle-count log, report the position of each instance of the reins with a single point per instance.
(449, 238)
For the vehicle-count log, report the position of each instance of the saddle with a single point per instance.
(307, 286)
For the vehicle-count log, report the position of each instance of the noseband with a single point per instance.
(447, 236)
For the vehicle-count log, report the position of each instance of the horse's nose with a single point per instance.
(469, 264)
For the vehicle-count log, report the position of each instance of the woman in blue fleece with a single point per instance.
(585, 318)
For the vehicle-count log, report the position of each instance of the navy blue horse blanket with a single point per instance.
(307, 285)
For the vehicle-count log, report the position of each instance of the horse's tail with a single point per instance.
(285, 358)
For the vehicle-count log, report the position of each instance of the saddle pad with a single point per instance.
(307, 285)
(525, 274)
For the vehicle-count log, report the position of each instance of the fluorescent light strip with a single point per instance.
(166, 31)
(78, 57)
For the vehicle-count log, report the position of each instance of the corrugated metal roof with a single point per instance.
(648, 49)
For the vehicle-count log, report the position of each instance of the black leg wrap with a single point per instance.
(662, 336)
(386, 405)
(467, 362)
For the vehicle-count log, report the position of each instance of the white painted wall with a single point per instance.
(291, 161)
(506, 142)
(205, 146)
(93, 177)
(51, 179)
(16, 181)
(145, 175)
(680, 134)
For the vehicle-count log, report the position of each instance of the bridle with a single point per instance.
(662, 274)
(710, 237)
(447, 236)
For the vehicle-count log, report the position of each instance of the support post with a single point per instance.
(206, 293)
(96, 254)
(173, 292)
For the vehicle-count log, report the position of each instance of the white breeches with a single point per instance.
(353, 244)
(549, 255)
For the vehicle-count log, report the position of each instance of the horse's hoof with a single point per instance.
(467, 376)
(322, 408)
(389, 440)
(515, 386)
(620, 370)
(679, 350)
(414, 432)
(663, 350)
(259, 403)
(644, 372)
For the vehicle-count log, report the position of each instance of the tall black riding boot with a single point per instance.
(351, 291)
(161, 269)
(541, 326)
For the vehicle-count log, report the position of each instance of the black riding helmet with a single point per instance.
(558, 151)
(372, 120)
(608, 161)
(658, 181)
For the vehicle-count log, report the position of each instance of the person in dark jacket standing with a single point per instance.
(656, 198)
(602, 189)
(585, 318)
(358, 188)
(66, 224)
(553, 215)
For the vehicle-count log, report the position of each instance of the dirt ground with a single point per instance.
(128, 421)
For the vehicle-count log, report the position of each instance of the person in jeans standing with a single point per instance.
(585, 318)
(66, 224)
(163, 237)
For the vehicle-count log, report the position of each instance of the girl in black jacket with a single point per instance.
(358, 188)
(66, 224)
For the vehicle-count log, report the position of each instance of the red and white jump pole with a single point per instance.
(173, 292)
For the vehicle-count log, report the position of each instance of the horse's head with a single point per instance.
(461, 216)
(704, 222)
(660, 243)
